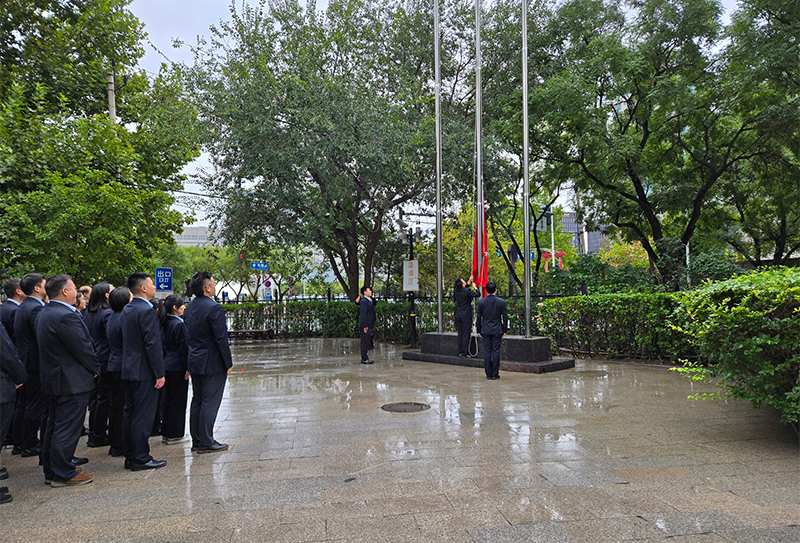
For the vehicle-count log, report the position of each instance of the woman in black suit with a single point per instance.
(176, 355)
(97, 314)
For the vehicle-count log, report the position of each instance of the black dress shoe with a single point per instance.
(3, 469)
(152, 464)
(85, 431)
(367, 361)
(97, 442)
(215, 447)
(3, 475)
(116, 453)
(33, 451)
(16, 450)
(127, 464)
(6, 498)
(79, 461)
(3, 490)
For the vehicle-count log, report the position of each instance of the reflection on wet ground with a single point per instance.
(602, 452)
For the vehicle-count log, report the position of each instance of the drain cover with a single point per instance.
(405, 407)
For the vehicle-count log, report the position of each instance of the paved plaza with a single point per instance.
(603, 452)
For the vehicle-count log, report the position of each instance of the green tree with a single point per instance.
(79, 193)
(318, 126)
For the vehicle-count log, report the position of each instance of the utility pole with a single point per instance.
(111, 92)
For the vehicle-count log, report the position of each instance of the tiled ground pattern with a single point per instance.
(601, 453)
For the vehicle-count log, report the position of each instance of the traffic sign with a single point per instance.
(259, 266)
(268, 283)
(164, 279)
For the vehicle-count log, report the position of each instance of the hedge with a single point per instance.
(310, 318)
(615, 326)
(747, 332)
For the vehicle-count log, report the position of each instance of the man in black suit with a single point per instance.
(210, 361)
(14, 297)
(30, 415)
(67, 366)
(492, 324)
(463, 296)
(142, 372)
(366, 322)
(12, 375)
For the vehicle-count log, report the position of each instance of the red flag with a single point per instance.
(482, 277)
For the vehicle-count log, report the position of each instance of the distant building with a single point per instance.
(592, 240)
(193, 236)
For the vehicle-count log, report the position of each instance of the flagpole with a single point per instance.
(526, 211)
(439, 257)
(481, 220)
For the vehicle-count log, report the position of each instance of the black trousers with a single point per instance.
(206, 397)
(30, 414)
(464, 328)
(65, 416)
(6, 416)
(491, 354)
(137, 419)
(100, 408)
(366, 343)
(176, 392)
(116, 406)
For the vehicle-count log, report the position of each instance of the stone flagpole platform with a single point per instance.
(518, 353)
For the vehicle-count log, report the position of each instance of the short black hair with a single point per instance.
(30, 281)
(364, 288)
(55, 284)
(10, 286)
(491, 288)
(199, 282)
(136, 280)
(119, 298)
(172, 302)
(97, 299)
(458, 283)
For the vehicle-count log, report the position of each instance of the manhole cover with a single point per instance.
(405, 407)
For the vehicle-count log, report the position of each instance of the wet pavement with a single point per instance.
(602, 452)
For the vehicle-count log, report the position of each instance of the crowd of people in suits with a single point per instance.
(120, 353)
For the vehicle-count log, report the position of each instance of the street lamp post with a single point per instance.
(412, 319)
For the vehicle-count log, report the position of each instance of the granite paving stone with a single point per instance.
(603, 452)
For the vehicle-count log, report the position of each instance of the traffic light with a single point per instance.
(240, 260)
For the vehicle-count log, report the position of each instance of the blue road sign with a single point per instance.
(259, 266)
(164, 279)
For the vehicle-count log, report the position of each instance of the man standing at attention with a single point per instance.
(209, 363)
(463, 296)
(31, 412)
(142, 372)
(366, 322)
(67, 367)
(492, 325)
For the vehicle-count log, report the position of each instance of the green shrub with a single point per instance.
(614, 325)
(747, 332)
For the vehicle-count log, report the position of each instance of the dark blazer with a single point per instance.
(176, 344)
(114, 337)
(463, 297)
(12, 371)
(25, 329)
(209, 351)
(366, 313)
(492, 316)
(142, 352)
(67, 361)
(7, 311)
(97, 323)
